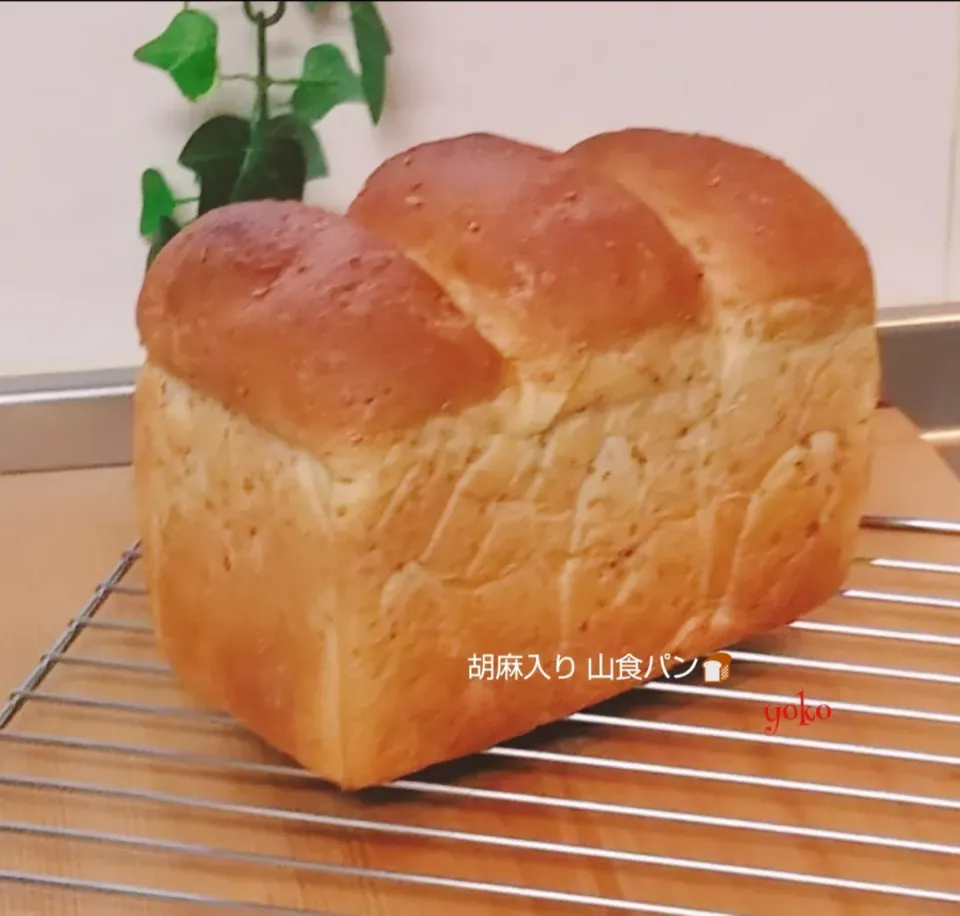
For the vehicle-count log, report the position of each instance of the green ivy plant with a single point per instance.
(275, 152)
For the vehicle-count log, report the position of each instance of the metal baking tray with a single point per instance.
(678, 794)
(83, 419)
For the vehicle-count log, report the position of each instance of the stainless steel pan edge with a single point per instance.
(82, 420)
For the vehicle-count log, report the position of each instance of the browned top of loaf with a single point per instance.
(308, 324)
(322, 328)
(771, 235)
(558, 252)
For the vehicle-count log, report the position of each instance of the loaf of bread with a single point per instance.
(417, 479)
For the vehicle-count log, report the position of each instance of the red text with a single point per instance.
(799, 712)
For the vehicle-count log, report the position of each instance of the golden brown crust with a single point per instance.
(310, 325)
(546, 255)
(674, 485)
(791, 288)
(771, 235)
(238, 565)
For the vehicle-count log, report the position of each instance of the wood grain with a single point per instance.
(61, 533)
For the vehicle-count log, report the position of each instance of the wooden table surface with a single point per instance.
(60, 534)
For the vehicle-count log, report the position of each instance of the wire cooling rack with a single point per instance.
(676, 799)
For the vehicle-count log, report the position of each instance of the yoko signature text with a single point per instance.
(800, 712)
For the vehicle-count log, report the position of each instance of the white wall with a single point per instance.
(858, 96)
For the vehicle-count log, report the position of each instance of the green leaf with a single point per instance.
(326, 81)
(216, 153)
(314, 6)
(288, 125)
(373, 49)
(156, 201)
(167, 228)
(187, 50)
(275, 170)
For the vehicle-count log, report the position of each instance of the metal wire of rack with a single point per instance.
(103, 682)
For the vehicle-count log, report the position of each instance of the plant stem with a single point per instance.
(262, 111)
(262, 81)
(250, 78)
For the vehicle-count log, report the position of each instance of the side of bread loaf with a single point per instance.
(515, 403)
